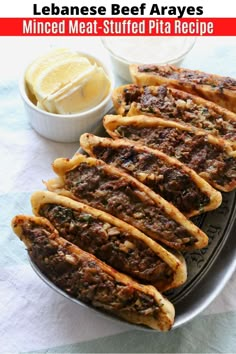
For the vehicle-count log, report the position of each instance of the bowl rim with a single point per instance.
(192, 40)
(25, 97)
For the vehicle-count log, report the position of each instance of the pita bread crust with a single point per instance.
(111, 122)
(223, 97)
(175, 262)
(166, 312)
(133, 108)
(88, 141)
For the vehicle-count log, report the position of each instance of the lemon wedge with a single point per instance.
(45, 61)
(85, 92)
(66, 82)
(58, 75)
(40, 106)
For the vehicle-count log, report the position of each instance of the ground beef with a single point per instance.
(132, 95)
(172, 183)
(108, 243)
(193, 150)
(190, 76)
(169, 104)
(84, 279)
(121, 198)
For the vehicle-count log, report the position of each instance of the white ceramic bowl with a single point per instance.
(66, 128)
(146, 50)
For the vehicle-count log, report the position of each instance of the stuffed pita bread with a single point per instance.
(84, 277)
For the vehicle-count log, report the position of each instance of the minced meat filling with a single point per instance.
(119, 197)
(171, 183)
(108, 243)
(189, 76)
(83, 278)
(193, 150)
(171, 105)
(131, 94)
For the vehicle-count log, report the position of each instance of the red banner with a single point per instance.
(113, 26)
